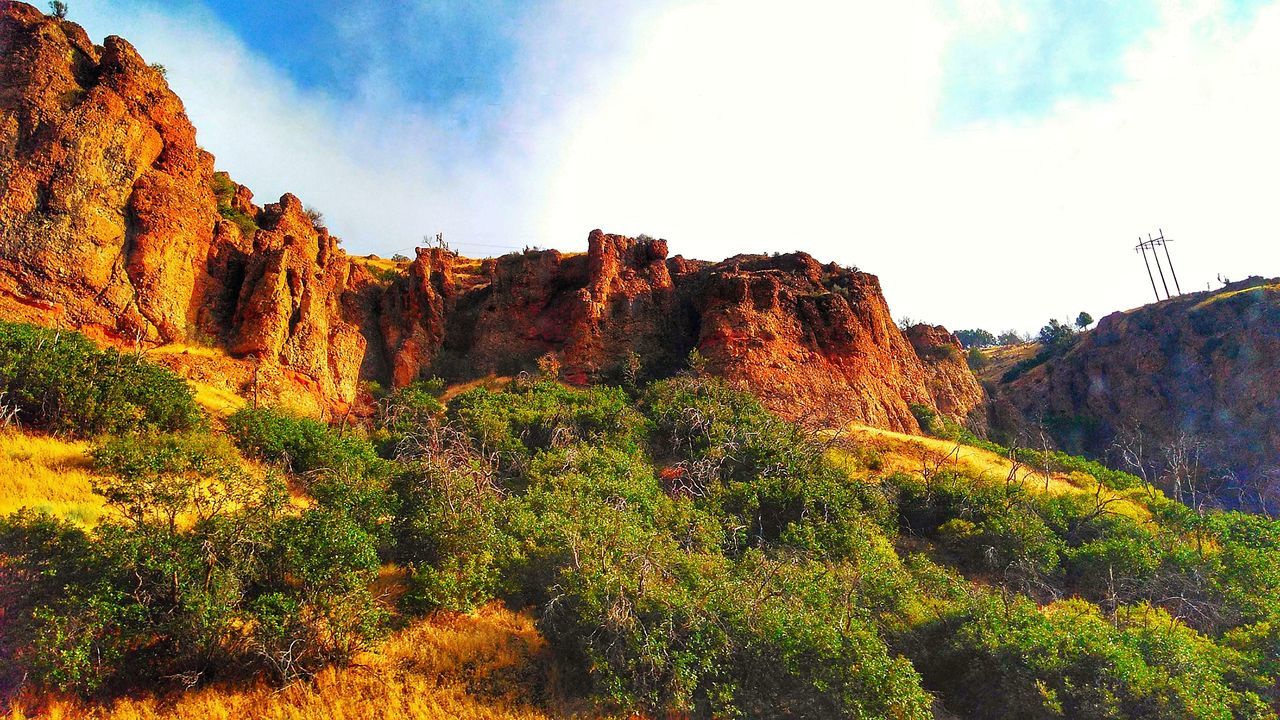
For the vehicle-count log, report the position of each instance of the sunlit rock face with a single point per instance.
(1197, 373)
(112, 221)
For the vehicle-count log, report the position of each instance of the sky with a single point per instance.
(994, 162)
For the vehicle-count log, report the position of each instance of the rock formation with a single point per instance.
(949, 378)
(105, 211)
(814, 341)
(113, 221)
(1198, 371)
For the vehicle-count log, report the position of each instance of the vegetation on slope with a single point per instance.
(49, 474)
(679, 549)
(60, 381)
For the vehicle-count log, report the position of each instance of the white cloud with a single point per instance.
(384, 173)
(742, 127)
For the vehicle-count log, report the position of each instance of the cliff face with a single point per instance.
(1200, 369)
(815, 342)
(113, 221)
(950, 380)
(105, 214)
(109, 221)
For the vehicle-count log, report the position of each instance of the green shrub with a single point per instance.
(448, 536)
(64, 616)
(538, 415)
(1010, 659)
(301, 445)
(323, 565)
(224, 191)
(202, 571)
(60, 381)
(758, 638)
(161, 477)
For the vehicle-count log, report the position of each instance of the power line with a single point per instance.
(1151, 243)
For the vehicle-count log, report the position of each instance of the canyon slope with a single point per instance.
(1193, 377)
(114, 222)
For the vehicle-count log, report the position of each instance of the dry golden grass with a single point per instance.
(488, 665)
(492, 382)
(189, 349)
(197, 364)
(379, 263)
(1260, 289)
(913, 454)
(216, 400)
(46, 473)
(1002, 358)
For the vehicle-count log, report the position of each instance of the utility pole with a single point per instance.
(1151, 243)
(1160, 269)
(1142, 248)
(1165, 243)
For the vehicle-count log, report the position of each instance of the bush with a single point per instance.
(448, 537)
(759, 638)
(64, 618)
(976, 359)
(158, 592)
(61, 382)
(1009, 659)
(203, 571)
(301, 445)
(318, 609)
(342, 472)
(542, 414)
(155, 477)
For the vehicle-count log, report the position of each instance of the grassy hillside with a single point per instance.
(50, 474)
(523, 549)
(486, 665)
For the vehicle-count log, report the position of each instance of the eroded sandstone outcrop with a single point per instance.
(110, 220)
(113, 221)
(105, 210)
(290, 309)
(1197, 373)
(951, 382)
(815, 342)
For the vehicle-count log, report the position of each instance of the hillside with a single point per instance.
(526, 549)
(114, 222)
(492, 663)
(1188, 384)
(245, 474)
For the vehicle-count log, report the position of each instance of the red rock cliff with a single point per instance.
(113, 221)
(110, 220)
(815, 342)
(105, 211)
(953, 385)
(1203, 367)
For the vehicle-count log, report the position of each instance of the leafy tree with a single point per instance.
(58, 9)
(1010, 337)
(1083, 320)
(315, 216)
(976, 338)
(976, 359)
(1056, 336)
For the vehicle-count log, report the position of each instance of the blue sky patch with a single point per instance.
(1055, 51)
(448, 56)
